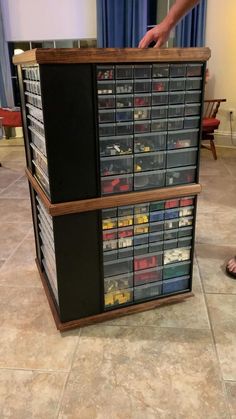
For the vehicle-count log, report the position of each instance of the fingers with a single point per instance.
(159, 43)
(147, 39)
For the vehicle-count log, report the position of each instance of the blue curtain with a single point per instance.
(190, 32)
(121, 23)
(6, 93)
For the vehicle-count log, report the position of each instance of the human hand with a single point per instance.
(159, 34)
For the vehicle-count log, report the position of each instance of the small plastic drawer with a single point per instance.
(194, 83)
(124, 101)
(156, 216)
(156, 226)
(118, 267)
(172, 203)
(147, 276)
(171, 234)
(149, 161)
(34, 100)
(35, 112)
(124, 71)
(182, 139)
(147, 291)
(125, 221)
(110, 255)
(141, 250)
(159, 125)
(147, 261)
(142, 126)
(109, 213)
(124, 115)
(125, 252)
(42, 178)
(185, 221)
(141, 218)
(142, 99)
(192, 122)
(160, 85)
(141, 209)
(156, 237)
(176, 97)
(171, 224)
(124, 86)
(180, 176)
(116, 165)
(116, 146)
(177, 269)
(142, 113)
(185, 241)
(142, 86)
(106, 87)
(171, 213)
(140, 239)
(192, 109)
(177, 84)
(160, 70)
(118, 298)
(178, 254)
(36, 125)
(186, 211)
(159, 112)
(155, 247)
(175, 111)
(109, 245)
(116, 184)
(106, 102)
(141, 229)
(170, 244)
(106, 116)
(185, 232)
(142, 71)
(145, 143)
(176, 285)
(186, 201)
(126, 232)
(194, 70)
(107, 130)
(177, 70)
(125, 210)
(175, 123)
(157, 206)
(183, 157)
(125, 242)
(193, 97)
(149, 180)
(39, 159)
(38, 140)
(124, 128)
(118, 282)
(105, 72)
(109, 223)
(109, 235)
(160, 98)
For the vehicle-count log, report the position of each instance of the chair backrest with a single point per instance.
(211, 107)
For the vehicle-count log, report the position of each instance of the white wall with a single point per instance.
(221, 38)
(26, 20)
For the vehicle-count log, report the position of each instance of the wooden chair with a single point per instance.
(210, 123)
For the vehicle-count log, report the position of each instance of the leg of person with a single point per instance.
(231, 267)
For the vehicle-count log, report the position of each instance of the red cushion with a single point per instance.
(210, 124)
(10, 118)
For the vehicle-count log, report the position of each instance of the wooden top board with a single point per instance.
(111, 55)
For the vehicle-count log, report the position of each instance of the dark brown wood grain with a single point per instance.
(112, 201)
(109, 315)
(111, 55)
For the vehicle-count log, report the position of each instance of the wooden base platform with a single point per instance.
(109, 315)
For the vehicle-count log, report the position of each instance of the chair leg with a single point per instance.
(213, 149)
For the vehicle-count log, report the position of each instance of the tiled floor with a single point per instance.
(175, 362)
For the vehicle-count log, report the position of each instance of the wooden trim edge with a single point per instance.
(108, 315)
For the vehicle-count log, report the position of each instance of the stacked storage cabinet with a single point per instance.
(112, 141)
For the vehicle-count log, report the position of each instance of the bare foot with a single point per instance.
(231, 266)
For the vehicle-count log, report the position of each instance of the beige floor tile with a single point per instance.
(210, 167)
(19, 189)
(28, 335)
(11, 234)
(231, 393)
(15, 210)
(15, 166)
(2, 261)
(30, 394)
(175, 315)
(144, 373)
(8, 177)
(218, 194)
(223, 317)
(212, 261)
(214, 228)
(16, 153)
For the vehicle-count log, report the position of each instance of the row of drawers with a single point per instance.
(155, 70)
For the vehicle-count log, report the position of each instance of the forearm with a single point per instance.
(178, 10)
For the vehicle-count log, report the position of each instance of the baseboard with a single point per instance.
(223, 139)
